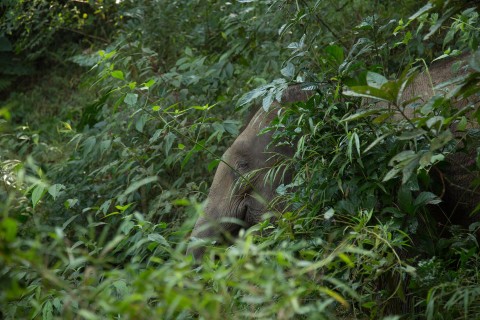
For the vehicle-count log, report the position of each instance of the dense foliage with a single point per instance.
(115, 114)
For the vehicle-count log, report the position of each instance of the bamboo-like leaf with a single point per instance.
(335, 295)
(137, 184)
(368, 92)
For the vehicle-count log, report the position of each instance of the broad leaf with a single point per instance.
(131, 99)
(55, 190)
(37, 194)
(375, 80)
(288, 71)
(118, 74)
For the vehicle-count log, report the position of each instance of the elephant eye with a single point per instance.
(242, 165)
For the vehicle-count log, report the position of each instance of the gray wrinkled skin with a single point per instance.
(231, 205)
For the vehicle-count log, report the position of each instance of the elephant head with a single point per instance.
(240, 192)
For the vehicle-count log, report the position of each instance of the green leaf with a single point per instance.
(117, 74)
(88, 315)
(410, 134)
(402, 156)
(150, 83)
(37, 194)
(213, 164)
(288, 71)
(137, 184)
(120, 287)
(409, 167)
(250, 96)
(384, 116)
(169, 138)
(376, 141)
(426, 159)
(66, 223)
(391, 174)
(421, 11)
(5, 113)
(405, 200)
(425, 198)
(70, 203)
(202, 108)
(105, 206)
(9, 228)
(55, 190)
(181, 202)
(361, 114)
(446, 14)
(345, 258)
(47, 310)
(267, 102)
(118, 102)
(335, 52)
(375, 80)
(88, 145)
(441, 140)
(158, 239)
(231, 126)
(369, 92)
(124, 207)
(434, 120)
(131, 99)
(186, 159)
(356, 138)
(462, 124)
(140, 123)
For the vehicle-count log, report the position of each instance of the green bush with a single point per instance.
(101, 183)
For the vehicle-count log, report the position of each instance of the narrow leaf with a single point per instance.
(137, 184)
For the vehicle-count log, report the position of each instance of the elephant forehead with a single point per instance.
(242, 145)
(246, 150)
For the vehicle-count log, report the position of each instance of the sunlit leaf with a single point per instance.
(8, 229)
(117, 74)
(329, 214)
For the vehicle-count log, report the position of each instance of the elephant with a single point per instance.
(237, 198)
